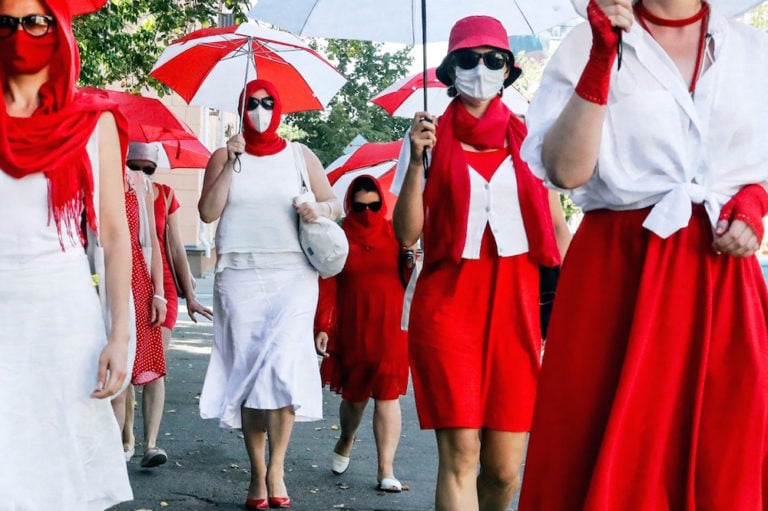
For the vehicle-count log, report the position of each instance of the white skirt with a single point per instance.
(263, 350)
(60, 448)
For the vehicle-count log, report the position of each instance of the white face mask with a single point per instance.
(261, 118)
(479, 83)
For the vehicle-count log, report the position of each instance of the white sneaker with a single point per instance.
(339, 463)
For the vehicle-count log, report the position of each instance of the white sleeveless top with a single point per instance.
(29, 231)
(259, 226)
(495, 203)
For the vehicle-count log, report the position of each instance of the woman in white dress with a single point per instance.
(263, 372)
(58, 436)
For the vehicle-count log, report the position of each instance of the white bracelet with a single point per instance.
(161, 298)
(330, 210)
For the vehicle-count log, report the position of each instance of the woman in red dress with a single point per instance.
(487, 223)
(361, 308)
(143, 158)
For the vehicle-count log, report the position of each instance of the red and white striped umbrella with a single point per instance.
(406, 97)
(377, 159)
(210, 67)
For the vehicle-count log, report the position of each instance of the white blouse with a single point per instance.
(495, 204)
(660, 146)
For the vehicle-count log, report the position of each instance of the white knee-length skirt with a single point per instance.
(61, 449)
(263, 353)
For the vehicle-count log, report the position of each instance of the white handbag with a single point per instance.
(323, 241)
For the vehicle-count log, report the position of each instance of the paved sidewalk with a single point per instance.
(208, 466)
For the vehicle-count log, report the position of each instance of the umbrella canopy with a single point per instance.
(210, 67)
(400, 21)
(149, 120)
(183, 154)
(377, 159)
(730, 8)
(80, 7)
(405, 97)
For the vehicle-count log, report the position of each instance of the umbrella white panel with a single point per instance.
(340, 186)
(338, 162)
(400, 20)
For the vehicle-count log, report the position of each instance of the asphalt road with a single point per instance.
(208, 467)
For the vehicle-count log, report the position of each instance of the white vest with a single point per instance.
(258, 217)
(495, 203)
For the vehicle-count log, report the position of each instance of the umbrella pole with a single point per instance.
(245, 82)
(424, 158)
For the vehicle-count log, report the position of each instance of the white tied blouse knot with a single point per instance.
(662, 146)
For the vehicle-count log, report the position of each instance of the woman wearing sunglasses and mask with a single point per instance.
(58, 362)
(360, 310)
(487, 225)
(263, 373)
(654, 389)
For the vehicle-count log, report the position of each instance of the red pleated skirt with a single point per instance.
(654, 389)
(474, 342)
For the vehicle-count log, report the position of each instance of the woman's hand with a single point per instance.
(618, 12)
(112, 369)
(311, 211)
(235, 147)
(321, 344)
(159, 310)
(422, 136)
(195, 307)
(735, 239)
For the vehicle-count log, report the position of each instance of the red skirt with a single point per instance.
(654, 390)
(474, 342)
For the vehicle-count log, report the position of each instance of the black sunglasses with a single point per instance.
(267, 102)
(468, 59)
(359, 207)
(149, 169)
(36, 25)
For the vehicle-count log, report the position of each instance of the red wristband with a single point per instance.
(596, 78)
(750, 205)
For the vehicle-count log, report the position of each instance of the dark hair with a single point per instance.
(364, 184)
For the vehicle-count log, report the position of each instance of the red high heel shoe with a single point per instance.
(279, 502)
(256, 504)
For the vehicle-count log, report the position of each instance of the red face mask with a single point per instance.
(24, 54)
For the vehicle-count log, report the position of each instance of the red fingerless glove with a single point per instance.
(750, 205)
(596, 77)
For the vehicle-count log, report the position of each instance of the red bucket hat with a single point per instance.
(474, 31)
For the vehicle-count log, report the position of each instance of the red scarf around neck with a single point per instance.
(446, 195)
(367, 228)
(269, 142)
(53, 140)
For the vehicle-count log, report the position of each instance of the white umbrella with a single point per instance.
(400, 21)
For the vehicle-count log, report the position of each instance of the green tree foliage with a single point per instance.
(369, 70)
(121, 43)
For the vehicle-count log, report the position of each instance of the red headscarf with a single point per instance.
(269, 142)
(446, 195)
(369, 228)
(54, 139)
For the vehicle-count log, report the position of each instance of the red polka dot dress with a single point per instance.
(150, 358)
